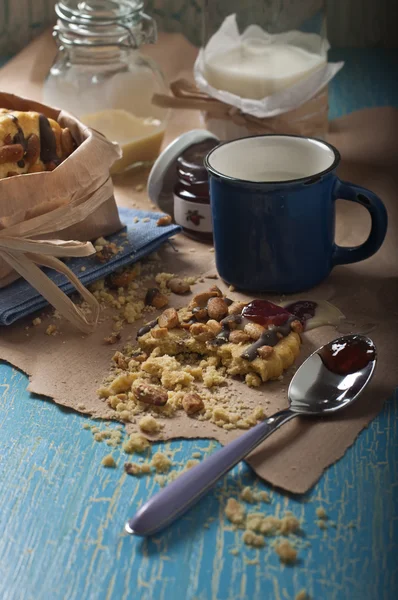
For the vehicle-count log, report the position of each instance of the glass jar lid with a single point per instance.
(103, 23)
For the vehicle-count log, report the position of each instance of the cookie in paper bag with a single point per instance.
(31, 143)
(48, 160)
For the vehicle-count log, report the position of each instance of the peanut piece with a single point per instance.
(159, 332)
(201, 332)
(254, 330)
(238, 337)
(55, 128)
(200, 314)
(216, 290)
(217, 308)
(214, 326)
(67, 142)
(32, 149)
(236, 308)
(192, 403)
(202, 299)
(265, 351)
(178, 286)
(150, 394)
(122, 280)
(163, 221)
(169, 318)
(119, 360)
(37, 168)
(297, 326)
(154, 297)
(139, 356)
(11, 153)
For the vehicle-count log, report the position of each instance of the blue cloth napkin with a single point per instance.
(143, 237)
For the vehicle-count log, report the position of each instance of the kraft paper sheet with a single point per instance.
(70, 367)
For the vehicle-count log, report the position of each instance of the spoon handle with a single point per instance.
(170, 503)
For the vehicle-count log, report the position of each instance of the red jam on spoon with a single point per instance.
(265, 313)
(348, 356)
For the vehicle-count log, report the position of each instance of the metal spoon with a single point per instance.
(330, 379)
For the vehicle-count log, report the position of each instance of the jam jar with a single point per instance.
(191, 192)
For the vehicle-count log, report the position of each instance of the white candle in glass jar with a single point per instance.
(257, 68)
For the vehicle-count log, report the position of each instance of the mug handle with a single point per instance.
(355, 193)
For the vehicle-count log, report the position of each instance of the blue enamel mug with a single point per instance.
(273, 209)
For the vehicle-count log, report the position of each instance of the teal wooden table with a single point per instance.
(62, 514)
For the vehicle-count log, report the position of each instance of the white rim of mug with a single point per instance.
(214, 172)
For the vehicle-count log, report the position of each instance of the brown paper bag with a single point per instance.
(40, 213)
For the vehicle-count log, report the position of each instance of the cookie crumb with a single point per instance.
(36, 321)
(161, 463)
(321, 513)
(137, 470)
(139, 187)
(264, 497)
(302, 595)
(149, 424)
(51, 330)
(287, 554)
(252, 539)
(108, 461)
(136, 443)
(235, 512)
(248, 495)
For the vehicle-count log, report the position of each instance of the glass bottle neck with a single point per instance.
(83, 30)
(104, 55)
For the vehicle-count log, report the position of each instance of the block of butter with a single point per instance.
(139, 138)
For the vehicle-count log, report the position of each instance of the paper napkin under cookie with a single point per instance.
(140, 237)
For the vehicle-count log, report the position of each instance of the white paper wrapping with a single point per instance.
(228, 37)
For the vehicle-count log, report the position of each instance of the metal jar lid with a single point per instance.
(163, 175)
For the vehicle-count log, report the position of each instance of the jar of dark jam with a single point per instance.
(191, 192)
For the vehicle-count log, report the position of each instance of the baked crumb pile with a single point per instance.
(184, 359)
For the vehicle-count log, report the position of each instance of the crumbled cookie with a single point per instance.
(31, 143)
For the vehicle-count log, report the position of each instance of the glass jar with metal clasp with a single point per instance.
(101, 76)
